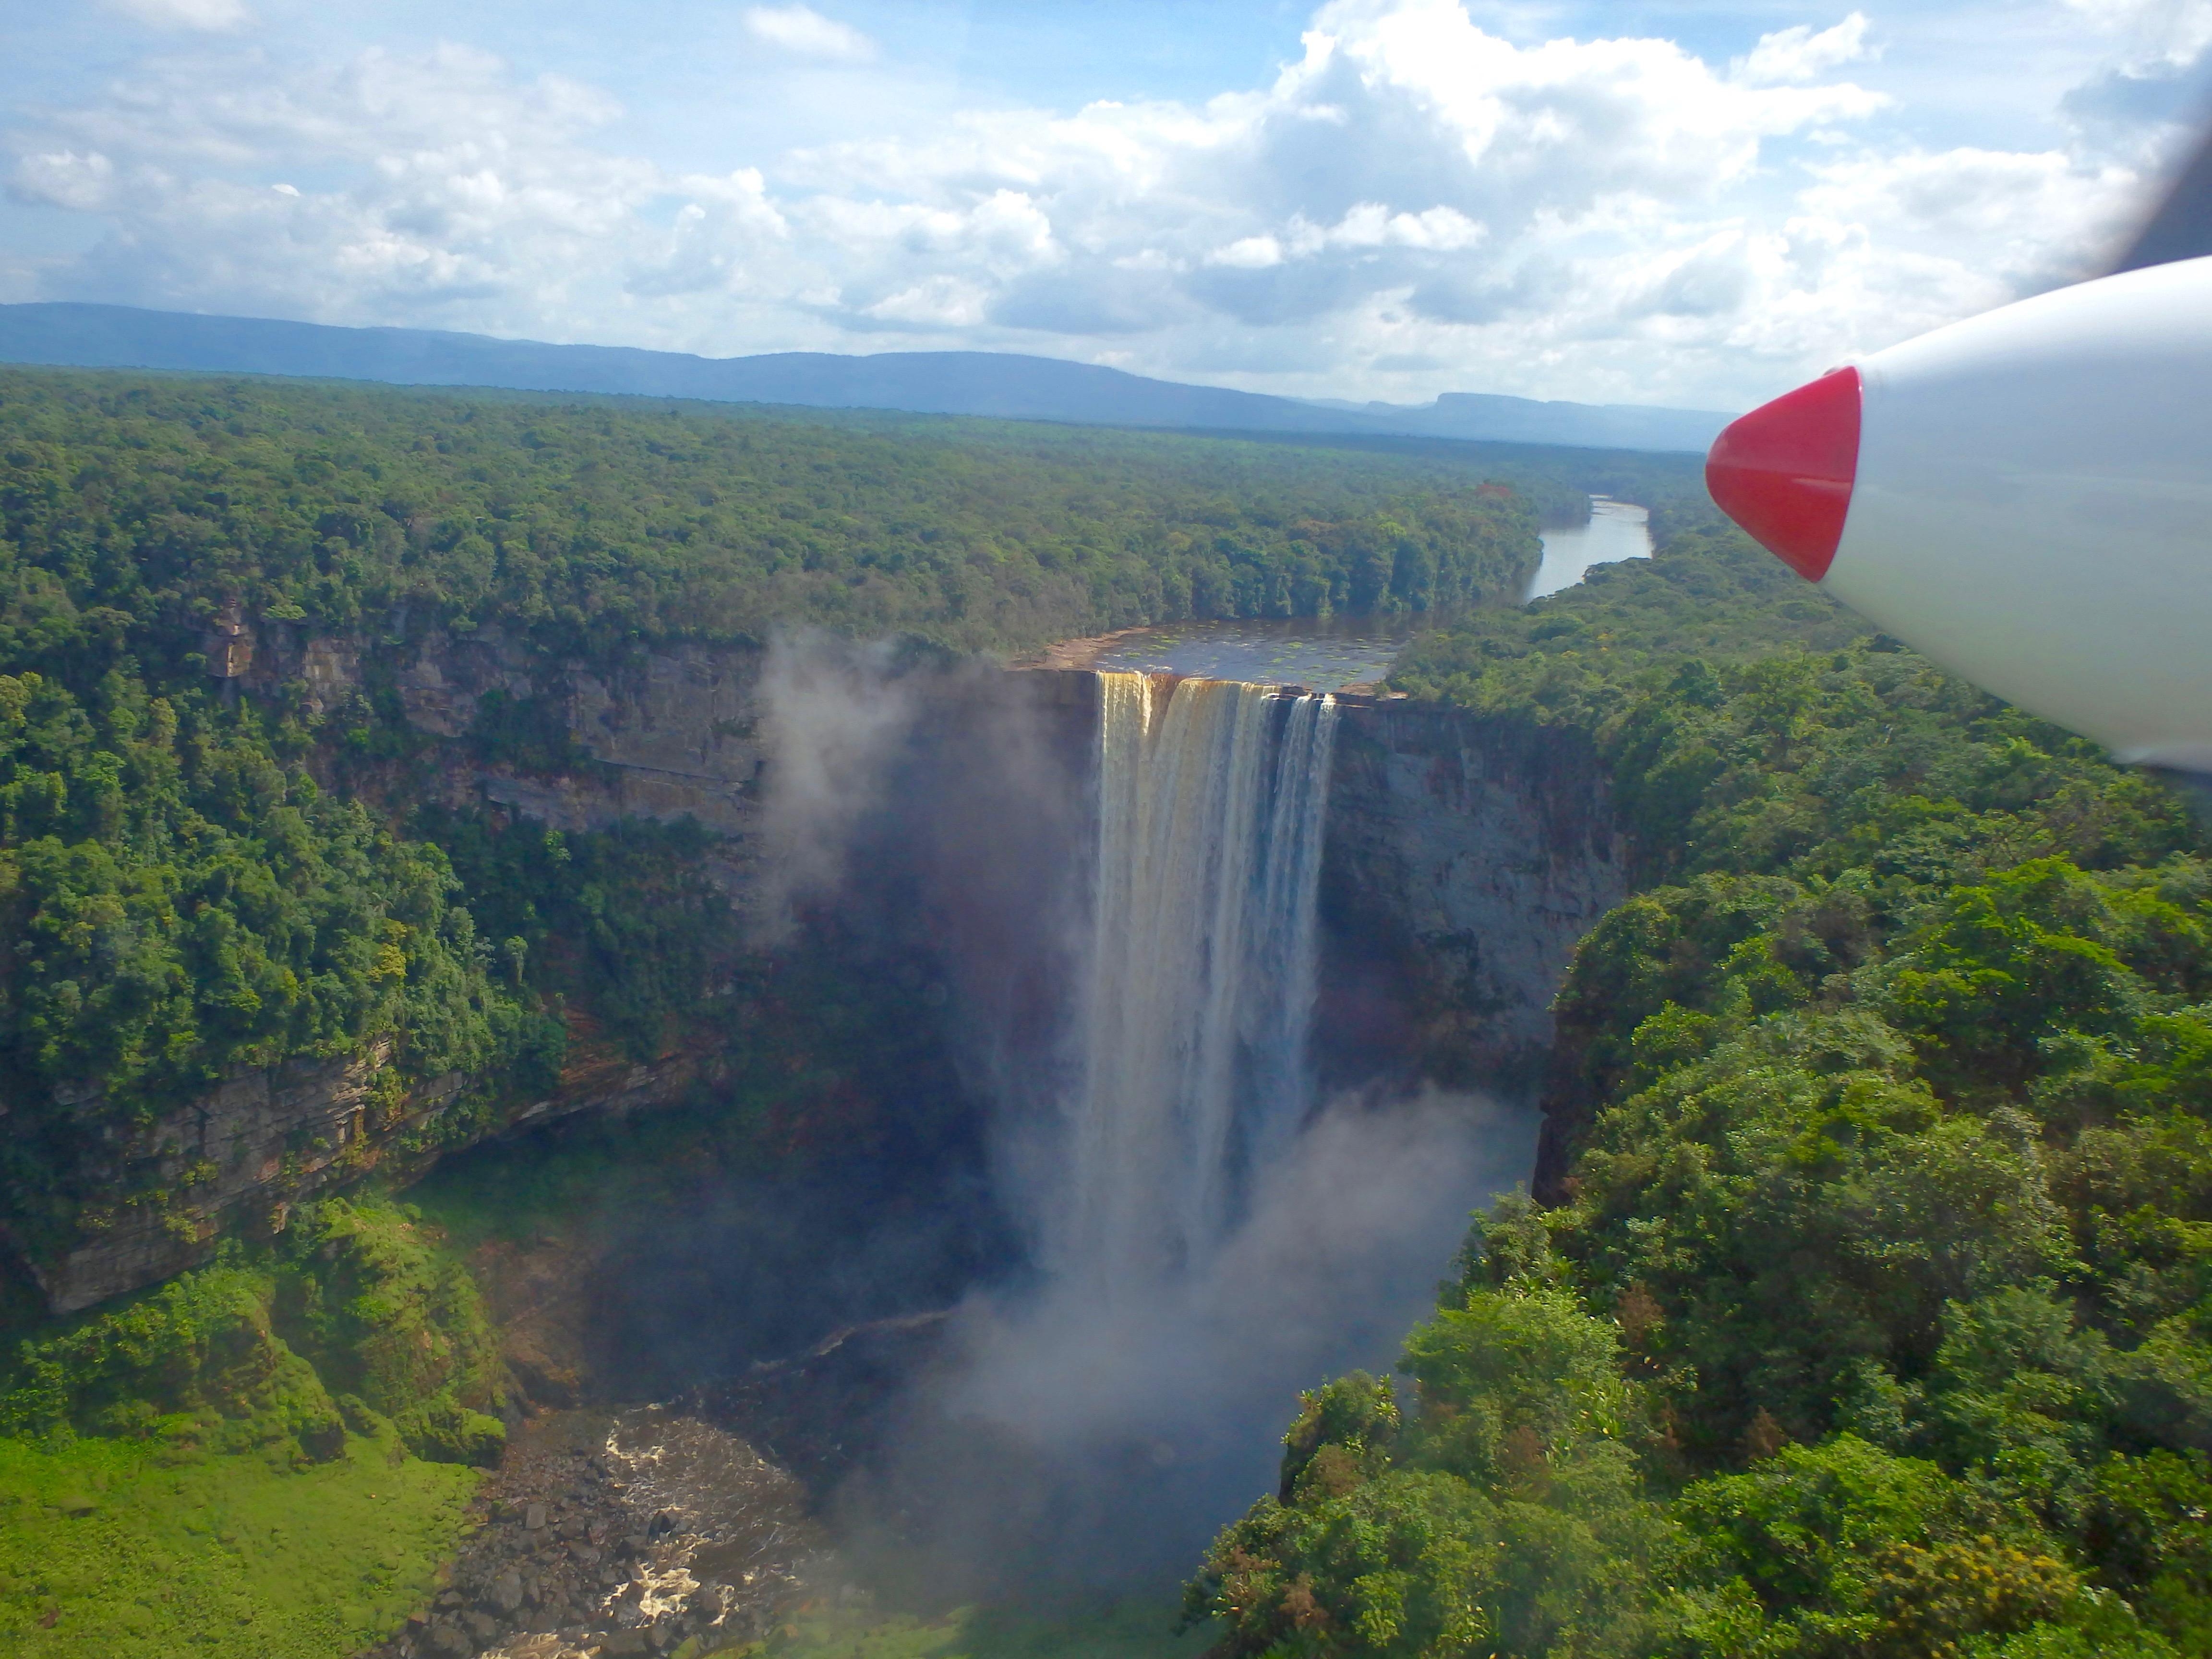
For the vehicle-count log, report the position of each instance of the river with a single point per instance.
(1616, 530)
(1326, 653)
(1329, 653)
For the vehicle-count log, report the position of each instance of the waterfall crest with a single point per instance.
(1211, 801)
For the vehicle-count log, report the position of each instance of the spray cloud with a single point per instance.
(1208, 1244)
(835, 713)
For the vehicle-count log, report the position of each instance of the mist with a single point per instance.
(1063, 1441)
(836, 713)
(1074, 1423)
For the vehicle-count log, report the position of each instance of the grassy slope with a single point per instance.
(229, 1554)
(226, 1466)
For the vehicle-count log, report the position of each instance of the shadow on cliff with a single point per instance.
(904, 976)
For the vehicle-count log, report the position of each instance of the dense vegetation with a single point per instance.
(182, 900)
(132, 508)
(197, 878)
(1874, 1314)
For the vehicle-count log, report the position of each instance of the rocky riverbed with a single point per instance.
(648, 1531)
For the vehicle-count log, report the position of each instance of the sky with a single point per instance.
(1697, 204)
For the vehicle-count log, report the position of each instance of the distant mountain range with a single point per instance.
(1002, 384)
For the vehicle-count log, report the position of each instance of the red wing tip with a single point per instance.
(1785, 471)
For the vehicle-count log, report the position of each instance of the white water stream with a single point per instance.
(1201, 978)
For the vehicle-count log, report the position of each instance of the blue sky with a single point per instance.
(1694, 204)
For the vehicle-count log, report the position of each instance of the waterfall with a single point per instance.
(1200, 984)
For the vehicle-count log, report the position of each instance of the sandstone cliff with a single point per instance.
(674, 736)
(1466, 857)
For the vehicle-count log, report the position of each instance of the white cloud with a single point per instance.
(936, 302)
(461, 183)
(2028, 214)
(1414, 204)
(1795, 55)
(806, 32)
(210, 16)
(2174, 30)
(1247, 253)
(63, 178)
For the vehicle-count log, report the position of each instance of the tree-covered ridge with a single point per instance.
(133, 508)
(1577, 656)
(181, 901)
(1874, 1314)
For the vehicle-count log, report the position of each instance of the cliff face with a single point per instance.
(1466, 857)
(238, 1158)
(284, 1128)
(961, 858)
(673, 737)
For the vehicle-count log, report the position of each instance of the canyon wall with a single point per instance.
(674, 735)
(237, 1158)
(1465, 856)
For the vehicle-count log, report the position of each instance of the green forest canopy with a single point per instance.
(1874, 1316)
(134, 506)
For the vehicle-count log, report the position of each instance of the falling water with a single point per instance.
(1201, 979)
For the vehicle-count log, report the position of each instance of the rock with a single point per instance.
(505, 1592)
(534, 1517)
(450, 1638)
(486, 1631)
(625, 1645)
(1466, 856)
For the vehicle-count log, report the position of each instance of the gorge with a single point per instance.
(1416, 878)
(586, 1069)
(1466, 857)
(768, 1013)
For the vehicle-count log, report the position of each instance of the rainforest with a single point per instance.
(610, 1042)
